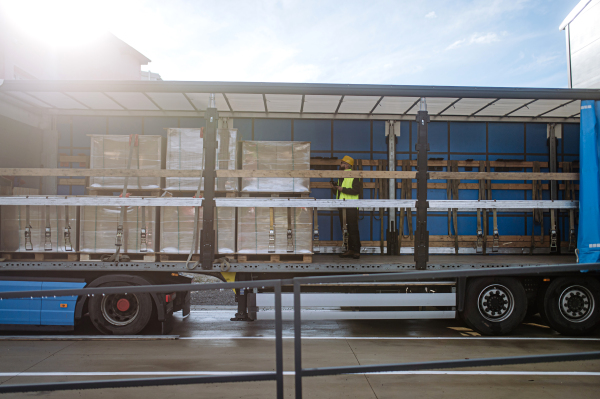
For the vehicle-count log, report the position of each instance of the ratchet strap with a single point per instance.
(116, 257)
(538, 214)
(194, 246)
(143, 240)
(290, 236)
(28, 243)
(405, 193)
(452, 193)
(67, 231)
(272, 230)
(316, 247)
(47, 231)
(379, 188)
(481, 214)
(345, 230)
(496, 233)
(570, 195)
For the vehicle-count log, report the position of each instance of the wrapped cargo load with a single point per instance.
(99, 228)
(111, 152)
(275, 155)
(185, 151)
(14, 223)
(177, 229)
(254, 225)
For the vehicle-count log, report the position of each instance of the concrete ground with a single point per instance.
(209, 343)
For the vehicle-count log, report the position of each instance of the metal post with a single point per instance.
(422, 235)
(392, 234)
(207, 239)
(297, 341)
(278, 340)
(554, 238)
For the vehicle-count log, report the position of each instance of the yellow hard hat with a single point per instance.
(348, 160)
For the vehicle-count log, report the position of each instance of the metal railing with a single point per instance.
(300, 373)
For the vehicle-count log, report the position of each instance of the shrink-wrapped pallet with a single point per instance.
(112, 152)
(185, 151)
(14, 222)
(254, 226)
(177, 229)
(275, 155)
(99, 229)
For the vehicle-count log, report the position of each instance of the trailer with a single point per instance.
(526, 217)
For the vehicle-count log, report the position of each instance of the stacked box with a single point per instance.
(177, 229)
(254, 226)
(99, 228)
(185, 151)
(112, 152)
(275, 155)
(14, 221)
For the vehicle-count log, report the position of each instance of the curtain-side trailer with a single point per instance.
(454, 178)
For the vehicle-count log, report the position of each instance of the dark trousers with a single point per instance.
(352, 222)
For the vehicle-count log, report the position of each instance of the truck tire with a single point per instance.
(572, 305)
(120, 314)
(494, 306)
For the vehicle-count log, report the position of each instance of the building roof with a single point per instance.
(574, 13)
(296, 100)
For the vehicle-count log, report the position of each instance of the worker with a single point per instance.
(348, 188)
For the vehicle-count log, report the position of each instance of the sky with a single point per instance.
(509, 43)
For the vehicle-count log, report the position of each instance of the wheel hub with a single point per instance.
(576, 303)
(496, 303)
(120, 310)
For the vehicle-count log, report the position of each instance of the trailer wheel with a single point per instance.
(495, 306)
(120, 314)
(572, 305)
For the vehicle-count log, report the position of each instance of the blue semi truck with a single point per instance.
(494, 220)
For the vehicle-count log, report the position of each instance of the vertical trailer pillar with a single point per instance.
(422, 235)
(554, 132)
(207, 238)
(392, 129)
(49, 158)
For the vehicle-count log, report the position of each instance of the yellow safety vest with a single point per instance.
(347, 183)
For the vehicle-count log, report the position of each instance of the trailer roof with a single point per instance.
(296, 100)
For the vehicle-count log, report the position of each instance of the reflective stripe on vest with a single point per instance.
(347, 183)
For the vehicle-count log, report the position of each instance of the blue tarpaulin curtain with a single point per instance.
(588, 237)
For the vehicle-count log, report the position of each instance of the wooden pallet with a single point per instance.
(274, 258)
(191, 193)
(41, 256)
(133, 191)
(139, 257)
(275, 195)
(183, 257)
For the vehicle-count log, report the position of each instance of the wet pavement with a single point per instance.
(208, 343)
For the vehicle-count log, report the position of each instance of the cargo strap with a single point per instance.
(194, 246)
(290, 235)
(47, 231)
(119, 239)
(481, 214)
(271, 230)
(316, 247)
(67, 231)
(452, 193)
(405, 193)
(538, 214)
(379, 188)
(570, 195)
(345, 230)
(496, 233)
(28, 243)
(143, 241)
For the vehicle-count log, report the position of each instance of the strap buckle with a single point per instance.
(496, 241)
(28, 243)
(345, 239)
(119, 236)
(143, 242)
(272, 240)
(316, 247)
(553, 241)
(47, 239)
(479, 248)
(67, 235)
(290, 241)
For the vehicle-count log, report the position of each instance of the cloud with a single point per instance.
(476, 38)
(431, 15)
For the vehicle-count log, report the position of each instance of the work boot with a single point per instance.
(355, 255)
(347, 254)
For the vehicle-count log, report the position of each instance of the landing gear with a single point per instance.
(495, 306)
(571, 305)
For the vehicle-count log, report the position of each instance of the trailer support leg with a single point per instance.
(422, 235)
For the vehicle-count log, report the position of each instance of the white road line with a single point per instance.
(217, 373)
